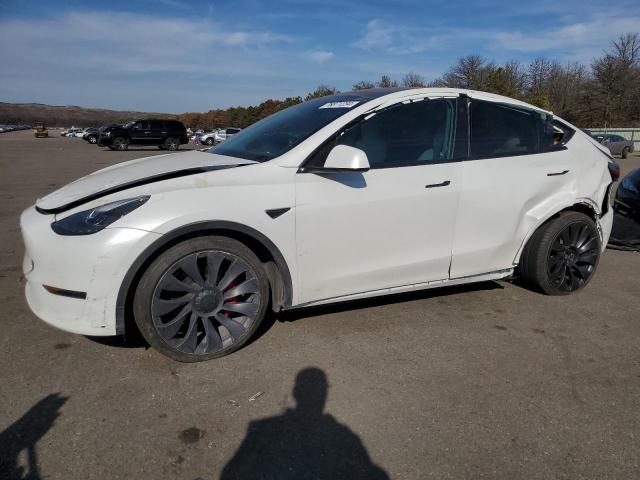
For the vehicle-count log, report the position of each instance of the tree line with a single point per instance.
(605, 93)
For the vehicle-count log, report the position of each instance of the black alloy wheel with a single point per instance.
(573, 256)
(562, 255)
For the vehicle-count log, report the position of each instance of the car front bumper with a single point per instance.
(93, 265)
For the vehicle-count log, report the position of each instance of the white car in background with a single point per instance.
(218, 136)
(342, 197)
(72, 132)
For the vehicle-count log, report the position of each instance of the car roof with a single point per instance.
(377, 93)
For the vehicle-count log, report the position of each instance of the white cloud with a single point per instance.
(127, 42)
(319, 56)
(378, 35)
(147, 62)
(394, 39)
(594, 34)
(580, 41)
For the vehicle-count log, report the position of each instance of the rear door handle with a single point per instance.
(434, 185)
(555, 174)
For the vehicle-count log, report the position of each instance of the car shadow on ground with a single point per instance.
(303, 442)
(23, 435)
(133, 338)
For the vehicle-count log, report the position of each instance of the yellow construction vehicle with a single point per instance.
(40, 131)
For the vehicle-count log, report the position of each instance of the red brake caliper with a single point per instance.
(232, 299)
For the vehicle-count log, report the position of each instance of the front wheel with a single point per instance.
(120, 143)
(201, 299)
(92, 139)
(209, 141)
(625, 152)
(562, 255)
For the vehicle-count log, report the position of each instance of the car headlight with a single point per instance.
(94, 220)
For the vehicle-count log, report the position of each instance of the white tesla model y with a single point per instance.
(342, 197)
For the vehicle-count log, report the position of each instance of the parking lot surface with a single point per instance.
(483, 381)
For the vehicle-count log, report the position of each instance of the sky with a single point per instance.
(177, 55)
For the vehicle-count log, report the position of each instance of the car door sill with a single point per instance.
(495, 275)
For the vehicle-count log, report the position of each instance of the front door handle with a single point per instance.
(434, 185)
(555, 174)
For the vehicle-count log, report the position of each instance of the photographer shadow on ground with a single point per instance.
(302, 443)
(23, 435)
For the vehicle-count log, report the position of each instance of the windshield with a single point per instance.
(280, 132)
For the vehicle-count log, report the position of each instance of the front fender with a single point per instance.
(185, 231)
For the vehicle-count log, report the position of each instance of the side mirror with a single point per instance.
(343, 158)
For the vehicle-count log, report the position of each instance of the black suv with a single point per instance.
(165, 134)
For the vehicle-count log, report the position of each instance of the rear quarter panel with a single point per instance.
(589, 188)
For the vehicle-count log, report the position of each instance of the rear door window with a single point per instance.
(500, 130)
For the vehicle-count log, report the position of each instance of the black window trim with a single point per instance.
(555, 148)
(460, 125)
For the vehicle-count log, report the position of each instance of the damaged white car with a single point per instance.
(348, 196)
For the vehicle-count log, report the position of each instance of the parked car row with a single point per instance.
(165, 134)
(11, 128)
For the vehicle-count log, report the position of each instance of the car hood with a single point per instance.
(134, 173)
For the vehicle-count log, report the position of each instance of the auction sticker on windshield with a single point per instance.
(340, 104)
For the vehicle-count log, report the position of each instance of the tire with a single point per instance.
(92, 139)
(562, 255)
(191, 316)
(171, 144)
(209, 141)
(625, 152)
(120, 143)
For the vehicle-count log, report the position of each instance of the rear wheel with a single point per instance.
(562, 255)
(171, 143)
(209, 141)
(201, 299)
(625, 152)
(120, 143)
(92, 139)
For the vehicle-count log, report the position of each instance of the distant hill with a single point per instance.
(65, 116)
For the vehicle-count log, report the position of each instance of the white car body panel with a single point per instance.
(346, 235)
(95, 264)
(380, 228)
(134, 170)
(490, 228)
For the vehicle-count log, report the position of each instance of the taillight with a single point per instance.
(614, 170)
